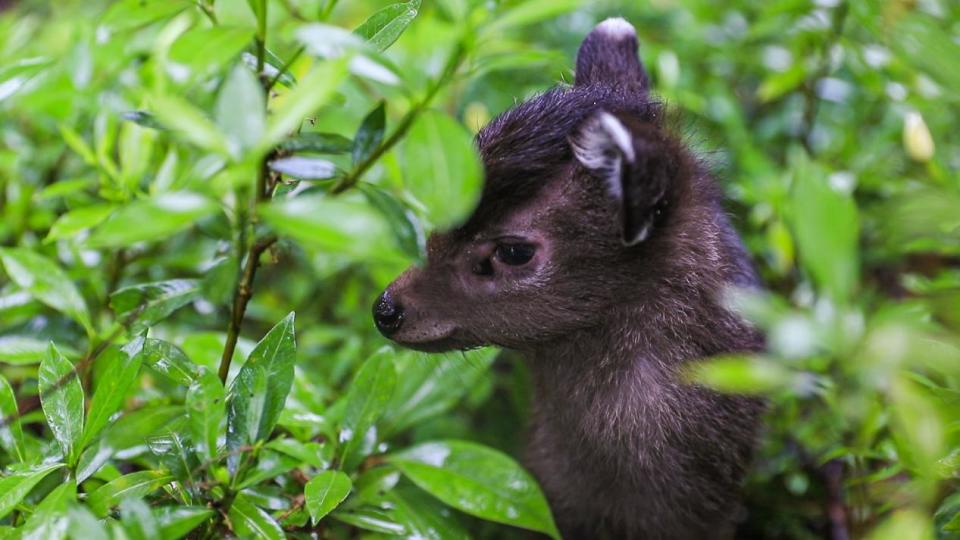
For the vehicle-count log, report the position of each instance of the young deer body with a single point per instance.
(599, 250)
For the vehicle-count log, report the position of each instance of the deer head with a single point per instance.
(583, 196)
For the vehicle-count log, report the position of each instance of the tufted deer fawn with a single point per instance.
(598, 250)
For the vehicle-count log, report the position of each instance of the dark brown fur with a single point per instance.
(622, 447)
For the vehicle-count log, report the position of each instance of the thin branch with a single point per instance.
(836, 507)
(241, 297)
(453, 62)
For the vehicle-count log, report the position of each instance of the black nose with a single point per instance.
(387, 314)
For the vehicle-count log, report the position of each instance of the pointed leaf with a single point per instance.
(478, 480)
(320, 143)
(370, 133)
(326, 491)
(442, 169)
(151, 219)
(61, 398)
(240, 110)
(11, 432)
(432, 384)
(314, 90)
(136, 484)
(168, 359)
(121, 368)
(384, 27)
(49, 520)
(177, 521)
(259, 391)
(827, 229)
(190, 123)
(142, 306)
(75, 221)
(15, 487)
(46, 282)
(249, 521)
(206, 407)
(205, 50)
(367, 399)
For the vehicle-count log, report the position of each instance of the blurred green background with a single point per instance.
(135, 149)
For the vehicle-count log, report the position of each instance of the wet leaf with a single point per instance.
(138, 484)
(478, 480)
(15, 487)
(61, 398)
(46, 282)
(260, 389)
(367, 399)
(325, 491)
(121, 369)
(141, 306)
(206, 407)
(250, 521)
(384, 27)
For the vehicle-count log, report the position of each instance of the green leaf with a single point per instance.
(533, 11)
(131, 430)
(366, 401)
(132, 485)
(22, 350)
(130, 14)
(370, 133)
(826, 228)
(384, 27)
(84, 525)
(478, 480)
(405, 228)
(320, 143)
(75, 221)
(141, 306)
(46, 282)
(252, 522)
(138, 522)
(61, 398)
(11, 432)
(78, 145)
(311, 453)
(49, 520)
(432, 384)
(423, 516)
(121, 368)
(177, 521)
(190, 123)
(15, 487)
(304, 168)
(205, 50)
(206, 407)
(155, 218)
(742, 375)
(240, 110)
(326, 491)
(372, 519)
(441, 168)
(339, 225)
(259, 391)
(168, 359)
(314, 90)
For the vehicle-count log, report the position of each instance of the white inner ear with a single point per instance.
(602, 145)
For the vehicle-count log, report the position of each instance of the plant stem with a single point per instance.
(241, 297)
(453, 62)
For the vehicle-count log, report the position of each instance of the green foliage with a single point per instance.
(178, 177)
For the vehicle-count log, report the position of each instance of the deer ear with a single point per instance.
(608, 55)
(637, 167)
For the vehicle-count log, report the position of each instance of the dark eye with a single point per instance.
(515, 254)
